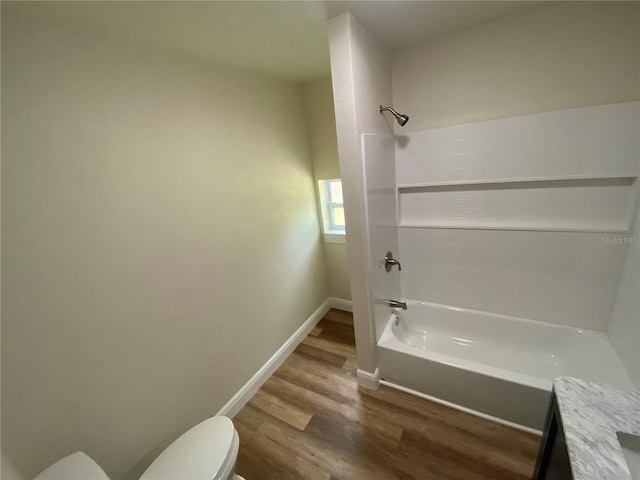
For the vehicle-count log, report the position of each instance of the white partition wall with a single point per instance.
(519, 215)
(361, 76)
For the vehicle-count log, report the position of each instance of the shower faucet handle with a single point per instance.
(389, 262)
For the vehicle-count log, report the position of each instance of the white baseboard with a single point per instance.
(247, 391)
(455, 406)
(341, 304)
(367, 379)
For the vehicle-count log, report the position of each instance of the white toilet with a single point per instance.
(206, 452)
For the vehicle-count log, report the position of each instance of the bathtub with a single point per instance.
(496, 365)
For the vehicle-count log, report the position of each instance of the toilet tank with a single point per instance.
(77, 466)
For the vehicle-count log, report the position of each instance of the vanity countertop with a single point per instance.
(591, 415)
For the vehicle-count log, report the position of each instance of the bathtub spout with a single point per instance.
(395, 304)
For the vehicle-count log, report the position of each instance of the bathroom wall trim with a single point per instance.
(341, 304)
(247, 391)
(368, 379)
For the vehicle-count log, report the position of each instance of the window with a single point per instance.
(332, 207)
(335, 204)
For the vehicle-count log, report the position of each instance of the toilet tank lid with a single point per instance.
(77, 466)
(198, 454)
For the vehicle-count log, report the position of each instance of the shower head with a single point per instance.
(402, 119)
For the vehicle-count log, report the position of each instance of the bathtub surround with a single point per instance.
(578, 64)
(511, 216)
(565, 278)
(502, 74)
(624, 325)
(380, 180)
(591, 142)
(473, 198)
(152, 206)
(321, 124)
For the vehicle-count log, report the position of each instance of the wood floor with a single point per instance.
(311, 421)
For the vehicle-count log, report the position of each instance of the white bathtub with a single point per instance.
(494, 364)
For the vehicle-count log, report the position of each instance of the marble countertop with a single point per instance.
(591, 415)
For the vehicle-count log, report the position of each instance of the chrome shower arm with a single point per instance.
(401, 118)
(389, 109)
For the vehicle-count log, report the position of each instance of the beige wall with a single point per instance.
(160, 242)
(321, 116)
(324, 155)
(568, 55)
(8, 470)
(338, 270)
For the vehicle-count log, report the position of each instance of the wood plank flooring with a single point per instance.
(310, 420)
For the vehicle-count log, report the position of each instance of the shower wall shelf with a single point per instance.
(519, 228)
(575, 203)
(630, 175)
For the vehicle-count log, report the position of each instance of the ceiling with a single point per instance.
(284, 39)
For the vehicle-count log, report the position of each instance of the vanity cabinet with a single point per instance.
(553, 456)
